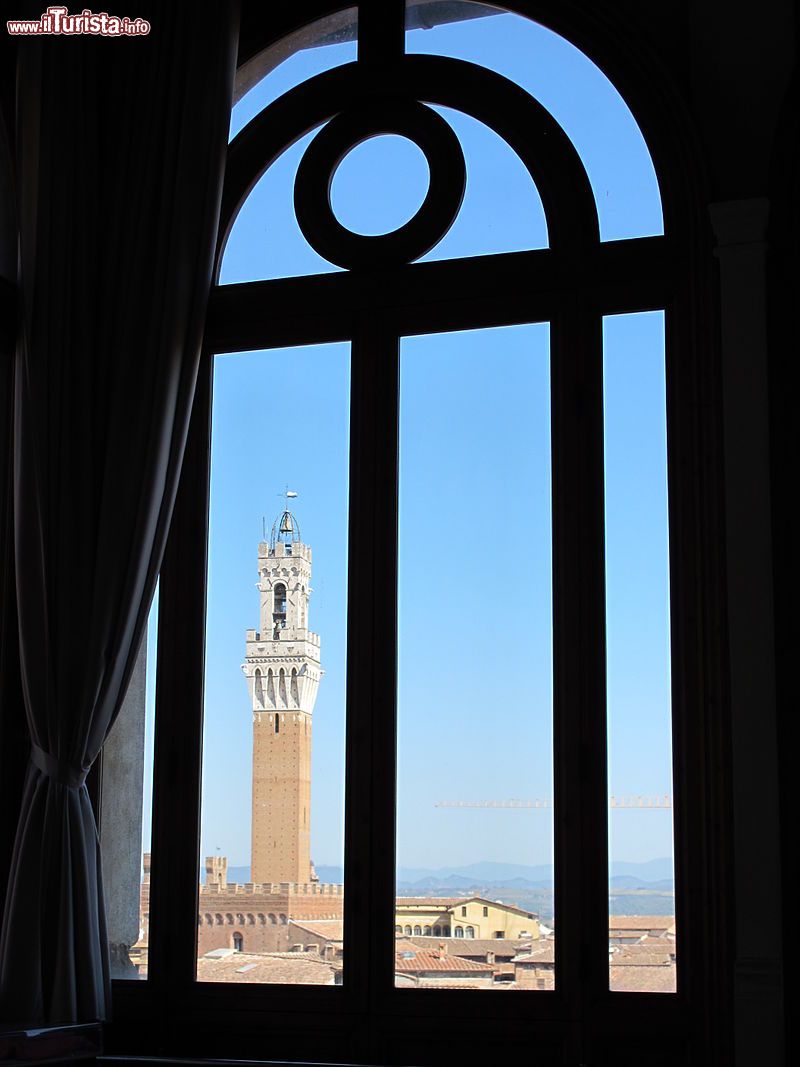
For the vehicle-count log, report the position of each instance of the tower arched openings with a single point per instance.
(279, 605)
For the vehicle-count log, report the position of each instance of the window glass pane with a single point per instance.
(379, 185)
(272, 801)
(474, 806)
(641, 892)
(265, 241)
(126, 814)
(502, 210)
(320, 46)
(575, 92)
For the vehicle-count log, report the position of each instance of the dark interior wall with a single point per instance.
(728, 73)
(13, 734)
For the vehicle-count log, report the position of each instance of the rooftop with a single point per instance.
(326, 929)
(272, 968)
(641, 922)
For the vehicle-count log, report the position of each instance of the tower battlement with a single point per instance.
(279, 890)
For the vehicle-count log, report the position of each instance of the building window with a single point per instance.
(238, 942)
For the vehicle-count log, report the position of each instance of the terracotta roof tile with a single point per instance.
(326, 929)
(429, 902)
(278, 968)
(641, 922)
(475, 946)
(540, 952)
(435, 961)
(445, 903)
(643, 979)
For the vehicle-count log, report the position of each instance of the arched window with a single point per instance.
(398, 929)
(426, 931)
(262, 919)
(417, 931)
(284, 920)
(408, 931)
(273, 919)
(251, 920)
(279, 604)
(575, 272)
(218, 919)
(258, 686)
(238, 942)
(229, 919)
(294, 690)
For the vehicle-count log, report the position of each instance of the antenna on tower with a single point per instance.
(263, 528)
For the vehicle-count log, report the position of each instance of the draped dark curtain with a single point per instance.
(120, 158)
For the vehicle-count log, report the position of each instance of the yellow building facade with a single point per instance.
(469, 917)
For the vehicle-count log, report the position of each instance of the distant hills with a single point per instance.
(652, 875)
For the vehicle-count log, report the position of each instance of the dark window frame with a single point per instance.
(367, 1018)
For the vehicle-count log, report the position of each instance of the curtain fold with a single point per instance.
(120, 159)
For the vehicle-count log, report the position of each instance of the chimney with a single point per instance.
(442, 949)
(490, 957)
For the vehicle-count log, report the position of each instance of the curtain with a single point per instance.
(120, 156)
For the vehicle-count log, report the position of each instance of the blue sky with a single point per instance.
(475, 603)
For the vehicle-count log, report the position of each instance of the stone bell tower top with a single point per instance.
(283, 638)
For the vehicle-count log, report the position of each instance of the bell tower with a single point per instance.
(283, 672)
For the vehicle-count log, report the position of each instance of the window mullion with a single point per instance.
(179, 721)
(581, 792)
(372, 658)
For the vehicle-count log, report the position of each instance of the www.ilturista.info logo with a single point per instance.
(57, 21)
